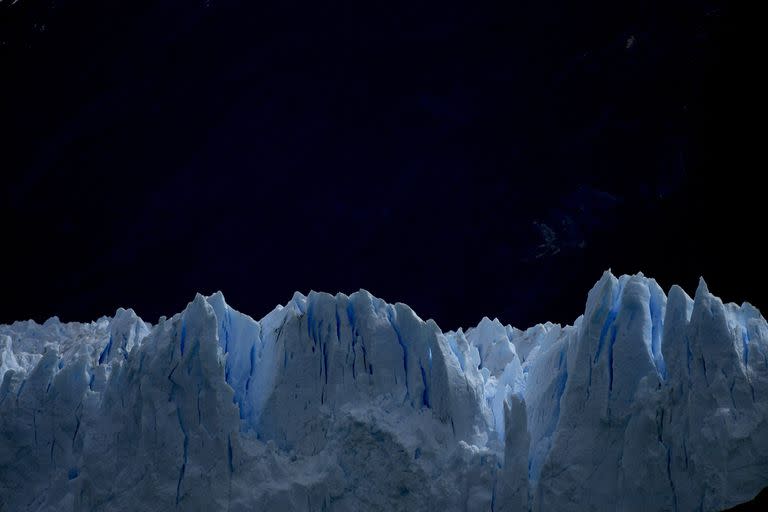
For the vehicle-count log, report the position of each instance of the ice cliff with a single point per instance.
(648, 402)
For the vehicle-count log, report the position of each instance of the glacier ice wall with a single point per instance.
(647, 402)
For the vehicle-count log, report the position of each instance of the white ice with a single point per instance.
(649, 401)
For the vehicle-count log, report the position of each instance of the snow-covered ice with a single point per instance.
(647, 402)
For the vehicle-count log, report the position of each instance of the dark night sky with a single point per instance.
(468, 160)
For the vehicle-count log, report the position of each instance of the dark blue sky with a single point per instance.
(469, 160)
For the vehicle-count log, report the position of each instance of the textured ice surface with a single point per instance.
(648, 402)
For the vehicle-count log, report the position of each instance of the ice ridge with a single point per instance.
(649, 401)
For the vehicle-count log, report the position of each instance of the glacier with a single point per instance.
(648, 401)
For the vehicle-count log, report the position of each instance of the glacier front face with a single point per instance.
(647, 402)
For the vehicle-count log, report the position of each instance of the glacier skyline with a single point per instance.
(647, 401)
